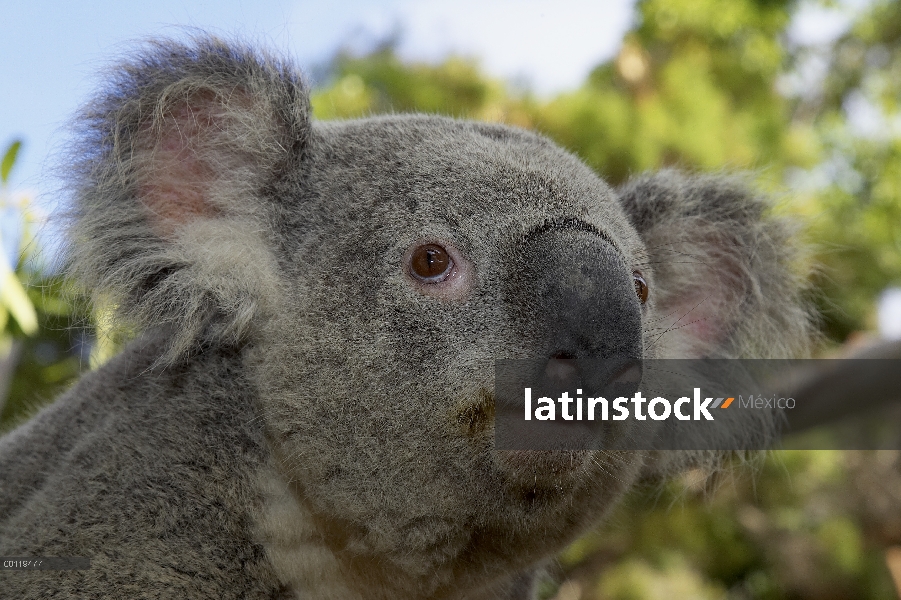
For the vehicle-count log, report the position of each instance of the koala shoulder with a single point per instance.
(150, 475)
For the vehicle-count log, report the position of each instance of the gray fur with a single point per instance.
(299, 416)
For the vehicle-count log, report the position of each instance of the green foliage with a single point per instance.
(792, 530)
(382, 83)
(9, 158)
(50, 360)
(38, 356)
(855, 207)
(692, 86)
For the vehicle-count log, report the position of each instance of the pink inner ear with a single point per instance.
(698, 322)
(702, 311)
(177, 184)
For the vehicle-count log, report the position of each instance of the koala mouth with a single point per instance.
(538, 449)
(476, 420)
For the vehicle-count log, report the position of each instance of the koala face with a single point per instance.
(531, 255)
(309, 404)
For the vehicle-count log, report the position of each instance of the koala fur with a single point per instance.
(301, 415)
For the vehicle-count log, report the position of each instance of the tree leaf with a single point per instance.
(14, 298)
(9, 159)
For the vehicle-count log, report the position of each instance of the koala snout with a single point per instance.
(574, 296)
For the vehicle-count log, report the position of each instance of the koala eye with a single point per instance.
(430, 263)
(641, 286)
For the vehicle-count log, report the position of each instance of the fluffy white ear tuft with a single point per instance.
(188, 136)
(725, 282)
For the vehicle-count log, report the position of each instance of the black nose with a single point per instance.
(573, 297)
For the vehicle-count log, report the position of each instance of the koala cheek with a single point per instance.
(438, 269)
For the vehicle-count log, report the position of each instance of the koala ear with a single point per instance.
(724, 281)
(172, 180)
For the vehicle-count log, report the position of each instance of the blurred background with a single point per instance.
(805, 95)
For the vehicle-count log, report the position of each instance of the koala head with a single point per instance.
(370, 272)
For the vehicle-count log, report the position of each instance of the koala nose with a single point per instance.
(574, 296)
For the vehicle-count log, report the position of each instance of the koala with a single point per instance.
(306, 408)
